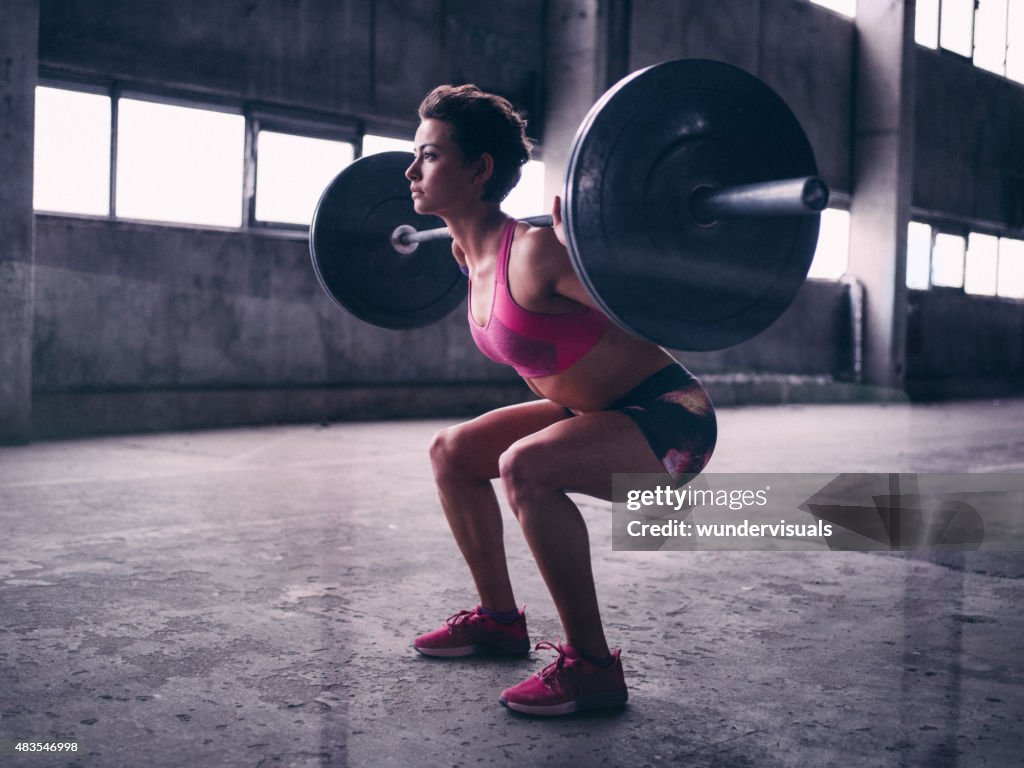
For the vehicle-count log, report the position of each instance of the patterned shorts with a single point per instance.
(676, 416)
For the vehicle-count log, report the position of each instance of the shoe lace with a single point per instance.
(552, 670)
(460, 618)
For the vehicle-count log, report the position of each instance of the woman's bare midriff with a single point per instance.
(617, 364)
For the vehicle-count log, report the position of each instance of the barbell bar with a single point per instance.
(690, 206)
(785, 197)
(404, 239)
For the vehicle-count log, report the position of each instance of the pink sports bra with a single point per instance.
(533, 343)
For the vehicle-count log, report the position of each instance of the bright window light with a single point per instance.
(990, 36)
(926, 23)
(527, 197)
(373, 145)
(1015, 42)
(919, 255)
(292, 172)
(1011, 268)
(179, 163)
(957, 25)
(948, 261)
(72, 152)
(980, 269)
(833, 251)
(847, 8)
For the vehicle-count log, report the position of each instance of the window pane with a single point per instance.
(72, 152)
(919, 254)
(373, 144)
(980, 272)
(292, 172)
(948, 261)
(527, 197)
(1011, 268)
(179, 163)
(845, 7)
(926, 23)
(990, 35)
(833, 251)
(1015, 41)
(957, 26)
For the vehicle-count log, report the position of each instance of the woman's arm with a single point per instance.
(563, 278)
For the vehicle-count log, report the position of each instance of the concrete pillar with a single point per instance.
(587, 52)
(572, 52)
(19, 45)
(882, 176)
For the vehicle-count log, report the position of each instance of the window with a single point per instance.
(980, 267)
(1010, 279)
(991, 32)
(527, 197)
(833, 251)
(374, 144)
(158, 158)
(926, 23)
(983, 265)
(956, 26)
(72, 152)
(990, 36)
(919, 255)
(179, 164)
(847, 8)
(1015, 42)
(948, 261)
(292, 172)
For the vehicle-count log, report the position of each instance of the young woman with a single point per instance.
(608, 402)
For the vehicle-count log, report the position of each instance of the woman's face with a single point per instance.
(440, 179)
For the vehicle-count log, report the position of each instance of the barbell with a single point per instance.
(691, 208)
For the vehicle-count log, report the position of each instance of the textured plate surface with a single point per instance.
(644, 147)
(350, 243)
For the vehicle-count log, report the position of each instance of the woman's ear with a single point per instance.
(484, 169)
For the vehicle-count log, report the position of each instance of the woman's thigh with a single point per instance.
(581, 454)
(474, 447)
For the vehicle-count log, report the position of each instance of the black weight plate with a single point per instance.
(350, 243)
(643, 148)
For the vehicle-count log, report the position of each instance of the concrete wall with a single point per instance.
(963, 346)
(139, 326)
(152, 325)
(156, 327)
(372, 58)
(968, 160)
(814, 337)
(969, 171)
(125, 305)
(801, 50)
(969, 141)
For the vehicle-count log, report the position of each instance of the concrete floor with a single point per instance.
(247, 598)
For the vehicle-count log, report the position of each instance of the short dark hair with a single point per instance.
(483, 122)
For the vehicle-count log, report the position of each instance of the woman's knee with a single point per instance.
(446, 451)
(455, 453)
(525, 469)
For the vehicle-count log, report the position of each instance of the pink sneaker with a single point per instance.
(568, 684)
(474, 632)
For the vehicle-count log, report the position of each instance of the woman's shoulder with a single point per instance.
(540, 250)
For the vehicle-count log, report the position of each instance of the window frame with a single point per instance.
(970, 58)
(175, 98)
(96, 87)
(304, 124)
(963, 228)
(257, 115)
